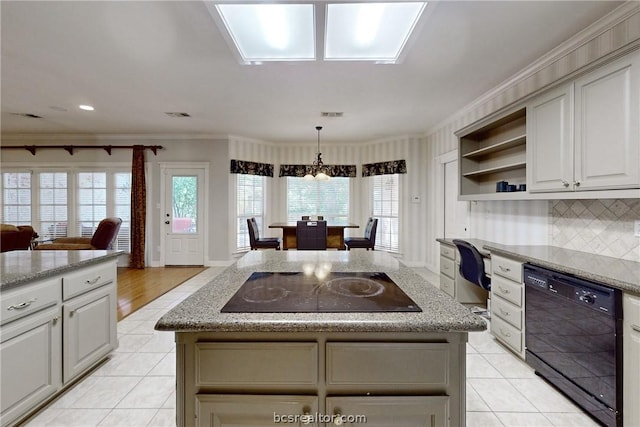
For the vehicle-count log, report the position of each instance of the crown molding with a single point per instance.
(604, 24)
(101, 138)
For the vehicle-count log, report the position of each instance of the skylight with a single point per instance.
(374, 31)
(271, 32)
(369, 31)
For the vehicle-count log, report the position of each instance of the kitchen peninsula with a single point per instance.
(58, 320)
(393, 368)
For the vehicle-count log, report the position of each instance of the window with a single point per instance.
(16, 198)
(327, 198)
(42, 197)
(250, 203)
(53, 205)
(385, 199)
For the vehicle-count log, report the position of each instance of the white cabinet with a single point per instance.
(586, 135)
(631, 356)
(507, 303)
(452, 283)
(30, 350)
(89, 330)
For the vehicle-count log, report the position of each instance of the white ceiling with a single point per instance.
(134, 61)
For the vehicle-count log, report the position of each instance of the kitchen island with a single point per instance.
(388, 368)
(58, 320)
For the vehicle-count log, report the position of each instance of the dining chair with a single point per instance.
(369, 239)
(258, 242)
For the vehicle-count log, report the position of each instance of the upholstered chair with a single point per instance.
(103, 238)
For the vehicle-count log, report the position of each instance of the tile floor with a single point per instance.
(136, 386)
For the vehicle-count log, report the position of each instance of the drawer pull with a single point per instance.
(338, 419)
(506, 334)
(94, 281)
(505, 269)
(55, 320)
(503, 290)
(306, 416)
(635, 328)
(22, 305)
(504, 312)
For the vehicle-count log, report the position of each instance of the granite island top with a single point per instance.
(19, 267)
(614, 272)
(201, 311)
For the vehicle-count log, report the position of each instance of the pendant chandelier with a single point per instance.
(318, 170)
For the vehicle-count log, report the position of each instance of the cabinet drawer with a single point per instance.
(447, 285)
(506, 267)
(256, 365)
(30, 298)
(387, 366)
(86, 279)
(507, 289)
(507, 311)
(632, 312)
(447, 251)
(447, 267)
(506, 333)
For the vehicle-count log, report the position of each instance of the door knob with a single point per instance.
(166, 222)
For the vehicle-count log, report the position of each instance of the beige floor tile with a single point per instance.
(510, 366)
(544, 397)
(479, 367)
(571, 420)
(483, 342)
(106, 393)
(131, 364)
(160, 342)
(150, 392)
(79, 418)
(523, 419)
(501, 396)
(128, 418)
(130, 343)
(483, 419)
(164, 418)
(474, 401)
(75, 392)
(166, 367)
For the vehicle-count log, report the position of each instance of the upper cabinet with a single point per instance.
(586, 135)
(494, 152)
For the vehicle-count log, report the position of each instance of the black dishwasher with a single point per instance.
(573, 338)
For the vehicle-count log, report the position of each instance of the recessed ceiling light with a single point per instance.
(86, 107)
(369, 31)
(269, 32)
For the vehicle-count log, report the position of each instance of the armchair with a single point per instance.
(15, 237)
(102, 238)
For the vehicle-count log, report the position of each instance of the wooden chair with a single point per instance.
(369, 239)
(256, 241)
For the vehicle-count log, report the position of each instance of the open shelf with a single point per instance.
(495, 169)
(504, 145)
(493, 151)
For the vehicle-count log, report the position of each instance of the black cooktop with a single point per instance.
(334, 293)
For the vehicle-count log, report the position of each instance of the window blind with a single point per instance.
(250, 203)
(385, 201)
(327, 198)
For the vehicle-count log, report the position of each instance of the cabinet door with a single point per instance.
(385, 411)
(550, 141)
(608, 126)
(227, 410)
(89, 331)
(631, 343)
(31, 366)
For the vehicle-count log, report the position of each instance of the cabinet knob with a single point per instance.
(565, 183)
(306, 416)
(55, 320)
(166, 222)
(338, 418)
(503, 290)
(577, 183)
(505, 269)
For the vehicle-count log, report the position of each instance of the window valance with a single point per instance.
(346, 171)
(384, 168)
(251, 168)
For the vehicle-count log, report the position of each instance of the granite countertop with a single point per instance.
(478, 243)
(201, 311)
(19, 267)
(614, 272)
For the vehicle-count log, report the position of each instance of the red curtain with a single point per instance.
(138, 207)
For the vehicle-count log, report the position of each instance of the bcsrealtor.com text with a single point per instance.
(318, 418)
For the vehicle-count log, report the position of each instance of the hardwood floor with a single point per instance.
(137, 288)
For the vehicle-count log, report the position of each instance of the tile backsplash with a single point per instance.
(602, 227)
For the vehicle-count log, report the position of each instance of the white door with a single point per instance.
(182, 216)
(456, 213)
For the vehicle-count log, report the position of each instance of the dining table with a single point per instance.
(335, 234)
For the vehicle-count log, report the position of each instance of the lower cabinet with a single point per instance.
(89, 331)
(332, 379)
(31, 368)
(507, 303)
(631, 356)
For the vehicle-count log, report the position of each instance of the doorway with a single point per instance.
(182, 215)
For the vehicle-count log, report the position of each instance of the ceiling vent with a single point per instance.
(27, 115)
(176, 114)
(332, 114)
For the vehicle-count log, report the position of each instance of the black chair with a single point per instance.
(311, 235)
(472, 264)
(369, 239)
(256, 241)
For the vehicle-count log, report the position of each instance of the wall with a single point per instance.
(528, 222)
